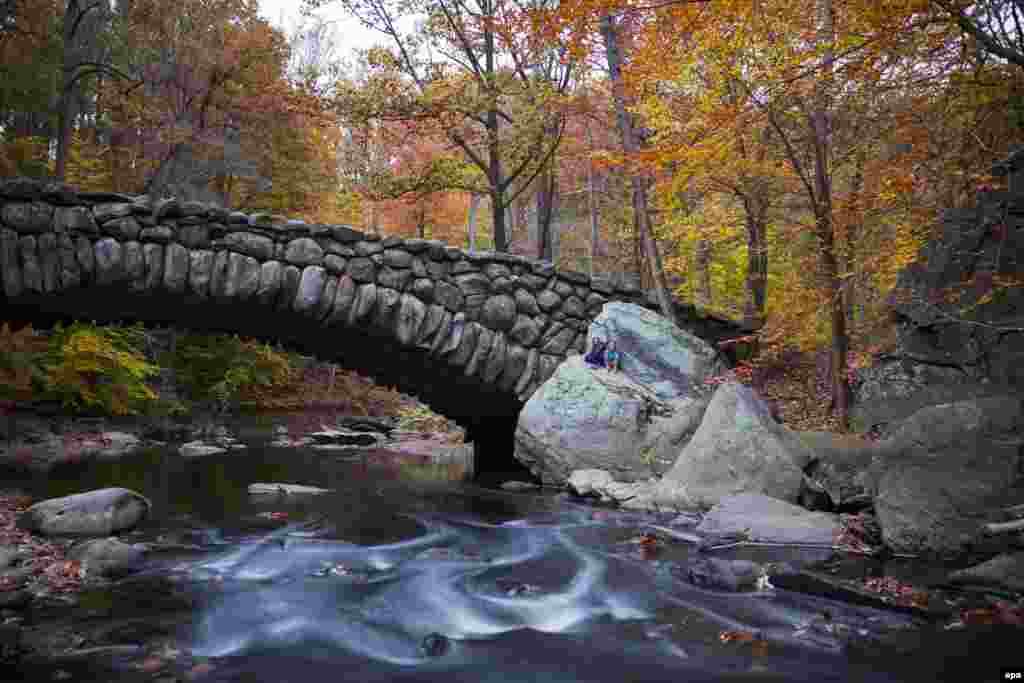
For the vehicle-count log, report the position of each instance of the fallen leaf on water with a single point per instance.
(736, 636)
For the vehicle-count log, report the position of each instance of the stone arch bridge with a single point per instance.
(472, 334)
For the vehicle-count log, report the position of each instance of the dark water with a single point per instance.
(400, 575)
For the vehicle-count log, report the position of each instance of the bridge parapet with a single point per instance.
(504, 320)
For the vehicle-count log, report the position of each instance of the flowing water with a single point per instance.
(400, 574)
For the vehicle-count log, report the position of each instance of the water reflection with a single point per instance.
(401, 573)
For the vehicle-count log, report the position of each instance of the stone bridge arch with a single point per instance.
(471, 334)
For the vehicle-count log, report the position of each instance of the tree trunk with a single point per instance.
(824, 225)
(66, 99)
(702, 264)
(474, 204)
(546, 196)
(757, 262)
(610, 34)
(592, 204)
(493, 141)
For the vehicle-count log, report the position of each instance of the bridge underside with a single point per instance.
(489, 416)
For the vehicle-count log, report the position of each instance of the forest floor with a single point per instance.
(799, 391)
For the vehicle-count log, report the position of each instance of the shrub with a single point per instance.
(99, 369)
(22, 374)
(226, 369)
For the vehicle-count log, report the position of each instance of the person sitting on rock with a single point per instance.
(612, 357)
(596, 356)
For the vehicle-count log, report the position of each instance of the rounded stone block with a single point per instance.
(515, 364)
(270, 282)
(397, 258)
(394, 278)
(194, 236)
(499, 312)
(574, 307)
(423, 289)
(200, 270)
(467, 345)
(474, 283)
(343, 299)
(86, 257)
(290, 276)
(153, 255)
(109, 265)
(411, 314)
(10, 264)
(70, 273)
(449, 296)
(311, 286)
(161, 234)
(134, 265)
(27, 217)
(450, 337)
(485, 338)
(111, 211)
(548, 300)
(124, 228)
(243, 277)
(326, 303)
(432, 320)
(49, 261)
(366, 297)
(74, 219)
(526, 302)
(368, 248)
(303, 252)
(361, 269)
(219, 274)
(386, 312)
(335, 264)
(250, 244)
(495, 362)
(526, 379)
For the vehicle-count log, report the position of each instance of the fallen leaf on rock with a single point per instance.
(648, 540)
(1000, 613)
(737, 636)
(151, 664)
(200, 669)
(1009, 613)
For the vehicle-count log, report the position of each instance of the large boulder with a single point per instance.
(935, 478)
(94, 513)
(600, 484)
(839, 471)
(632, 423)
(582, 418)
(108, 557)
(670, 361)
(958, 332)
(738, 448)
(758, 517)
(1003, 571)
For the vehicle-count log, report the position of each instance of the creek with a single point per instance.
(405, 573)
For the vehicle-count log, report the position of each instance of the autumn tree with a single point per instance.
(464, 70)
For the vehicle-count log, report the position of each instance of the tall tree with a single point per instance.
(467, 67)
(613, 52)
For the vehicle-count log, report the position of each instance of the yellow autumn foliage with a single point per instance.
(98, 370)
